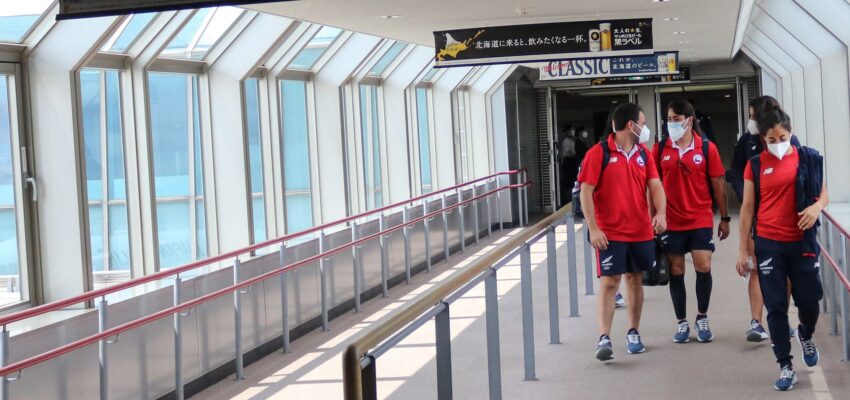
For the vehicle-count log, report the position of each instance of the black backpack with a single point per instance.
(606, 158)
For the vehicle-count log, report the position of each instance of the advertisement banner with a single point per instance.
(683, 76)
(661, 63)
(542, 42)
(70, 9)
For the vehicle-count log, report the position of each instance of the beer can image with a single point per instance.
(595, 38)
(605, 28)
(662, 63)
(671, 62)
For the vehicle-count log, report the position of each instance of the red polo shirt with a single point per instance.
(777, 213)
(686, 184)
(619, 201)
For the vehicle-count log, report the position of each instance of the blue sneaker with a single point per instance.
(810, 352)
(787, 379)
(635, 345)
(683, 333)
(604, 350)
(756, 332)
(619, 301)
(704, 334)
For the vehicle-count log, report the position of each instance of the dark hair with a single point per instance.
(770, 116)
(759, 103)
(567, 126)
(684, 107)
(624, 113)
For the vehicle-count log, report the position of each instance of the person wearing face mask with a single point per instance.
(749, 145)
(692, 174)
(784, 194)
(615, 177)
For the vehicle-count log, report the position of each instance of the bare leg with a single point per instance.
(608, 286)
(756, 301)
(634, 288)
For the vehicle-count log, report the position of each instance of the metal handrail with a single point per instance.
(836, 224)
(835, 268)
(388, 326)
(17, 367)
(59, 304)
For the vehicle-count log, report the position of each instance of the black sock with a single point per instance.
(785, 362)
(604, 336)
(704, 283)
(701, 316)
(677, 293)
(633, 331)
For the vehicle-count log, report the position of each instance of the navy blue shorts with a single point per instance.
(682, 242)
(625, 257)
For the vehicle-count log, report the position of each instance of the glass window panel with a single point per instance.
(18, 17)
(315, 48)
(370, 135)
(129, 33)
(259, 212)
(91, 108)
(186, 37)
(119, 238)
(376, 147)
(424, 142)
(296, 155)
(114, 139)
(219, 23)
(430, 75)
(385, 60)
(299, 212)
(9, 260)
(255, 149)
(200, 230)
(173, 232)
(196, 132)
(169, 132)
(96, 237)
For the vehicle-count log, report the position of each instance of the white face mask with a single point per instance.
(644, 135)
(677, 129)
(752, 127)
(779, 149)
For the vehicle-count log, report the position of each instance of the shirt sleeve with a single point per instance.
(651, 168)
(591, 166)
(748, 172)
(715, 162)
(654, 155)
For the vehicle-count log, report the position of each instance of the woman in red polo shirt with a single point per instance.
(784, 191)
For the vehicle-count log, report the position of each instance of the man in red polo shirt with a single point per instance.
(688, 165)
(615, 177)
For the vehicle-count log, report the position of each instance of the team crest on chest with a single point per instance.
(641, 162)
(697, 159)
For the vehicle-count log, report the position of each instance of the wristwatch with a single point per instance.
(726, 219)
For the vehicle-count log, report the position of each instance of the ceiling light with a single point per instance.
(685, 42)
(390, 16)
(679, 32)
(660, 1)
(614, 101)
(672, 19)
(727, 96)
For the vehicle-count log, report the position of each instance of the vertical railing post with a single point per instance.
(178, 340)
(461, 222)
(489, 217)
(552, 278)
(384, 267)
(588, 261)
(475, 222)
(102, 349)
(355, 262)
(4, 361)
(499, 208)
(825, 299)
(525, 196)
(845, 302)
(427, 224)
(833, 294)
(527, 313)
(442, 328)
(369, 379)
(237, 317)
(405, 217)
(445, 228)
(284, 301)
(323, 281)
(494, 358)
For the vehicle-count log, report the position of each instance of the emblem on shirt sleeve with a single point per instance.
(697, 159)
